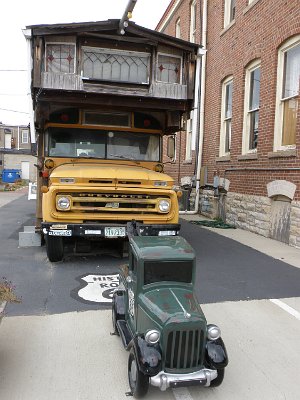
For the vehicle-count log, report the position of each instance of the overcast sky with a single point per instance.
(16, 15)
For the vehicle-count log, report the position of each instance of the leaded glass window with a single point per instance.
(168, 69)
(115, 66)
(60, 58)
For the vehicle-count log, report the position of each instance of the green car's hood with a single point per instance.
(168, 305)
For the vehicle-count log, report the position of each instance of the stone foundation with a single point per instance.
(252, 213)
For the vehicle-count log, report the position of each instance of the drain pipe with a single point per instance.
(27, 34)
(201, 60)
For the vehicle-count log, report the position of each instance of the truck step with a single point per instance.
(124, 332)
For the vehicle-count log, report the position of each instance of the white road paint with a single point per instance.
(182, 394)
(286, 308)
(99, 288)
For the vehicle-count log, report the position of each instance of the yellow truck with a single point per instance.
(102, 103)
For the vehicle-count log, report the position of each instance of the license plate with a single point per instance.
(60, 233)
(115, 232)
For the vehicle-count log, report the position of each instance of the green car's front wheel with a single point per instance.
(219, 379)
(138, 382)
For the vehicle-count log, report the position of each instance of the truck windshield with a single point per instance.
(104, 144)
(178, 271)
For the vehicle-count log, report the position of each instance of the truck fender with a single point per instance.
(119, 304)
(148, 356)
(216, 354)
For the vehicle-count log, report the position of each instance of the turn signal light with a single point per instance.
(49, 163)
(159, 168)
(44, 189)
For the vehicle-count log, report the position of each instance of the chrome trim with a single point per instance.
(163, 379)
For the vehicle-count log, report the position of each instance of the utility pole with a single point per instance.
(126, 16)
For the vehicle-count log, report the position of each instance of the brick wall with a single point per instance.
(257, 33)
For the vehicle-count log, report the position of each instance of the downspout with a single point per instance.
(201, 60)
(27, 34)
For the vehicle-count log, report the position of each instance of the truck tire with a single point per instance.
(219, 379)
(55, 248)
(138, 382)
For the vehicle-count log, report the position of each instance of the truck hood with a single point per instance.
(85, 173)
(168, 305)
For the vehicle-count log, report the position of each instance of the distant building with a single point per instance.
(250, 113)
(15, 151)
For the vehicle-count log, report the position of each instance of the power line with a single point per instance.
(20, 112)
(13, 70)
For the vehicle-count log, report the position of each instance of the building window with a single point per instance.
(188, 143)
(25, 136)
(115, 65)
(60, 58)
(287, 96)
(193, 11)
(168, 69)
(229, 12)
(251, 108)
(226, 116)
(178, 29)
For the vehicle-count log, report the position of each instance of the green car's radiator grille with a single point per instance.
(183, 349)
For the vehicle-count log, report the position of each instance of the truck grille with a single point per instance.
(115, 203)
(183, 349)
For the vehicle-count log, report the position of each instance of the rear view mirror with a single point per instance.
(171, 147)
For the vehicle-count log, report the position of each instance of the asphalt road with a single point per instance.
(49, 351)
(226, 270)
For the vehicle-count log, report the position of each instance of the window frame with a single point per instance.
(225, 119)
(229, 12)
(247, 112)
(189, 136)
(178, 28)
(280, 100)
(25, 131)
(171, 56)
(193, 21)
(60, 43)
(116, 52)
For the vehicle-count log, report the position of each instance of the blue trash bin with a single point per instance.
(10, 175)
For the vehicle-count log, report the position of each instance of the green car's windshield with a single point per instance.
(180, 271)
(104, 144)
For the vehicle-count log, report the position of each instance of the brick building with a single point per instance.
(250, 114)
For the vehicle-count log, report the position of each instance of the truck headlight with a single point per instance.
(63, 203)
(213, 332)
(164, 206)
(152, 336)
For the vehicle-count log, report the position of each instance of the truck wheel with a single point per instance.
(219, 379)
(55, 248)
(138, 382)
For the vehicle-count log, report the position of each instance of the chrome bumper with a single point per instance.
(163, 380)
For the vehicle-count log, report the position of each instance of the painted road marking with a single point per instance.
(182, 394)
(286, 308)
(96, 288)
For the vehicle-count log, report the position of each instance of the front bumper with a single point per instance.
(203, 377)
(109, 231)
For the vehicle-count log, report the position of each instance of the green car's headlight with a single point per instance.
(152, 336)
(213, 332)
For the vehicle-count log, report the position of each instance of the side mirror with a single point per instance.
(33, 149)
(171, 147)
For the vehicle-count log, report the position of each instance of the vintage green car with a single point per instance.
(157, 315)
